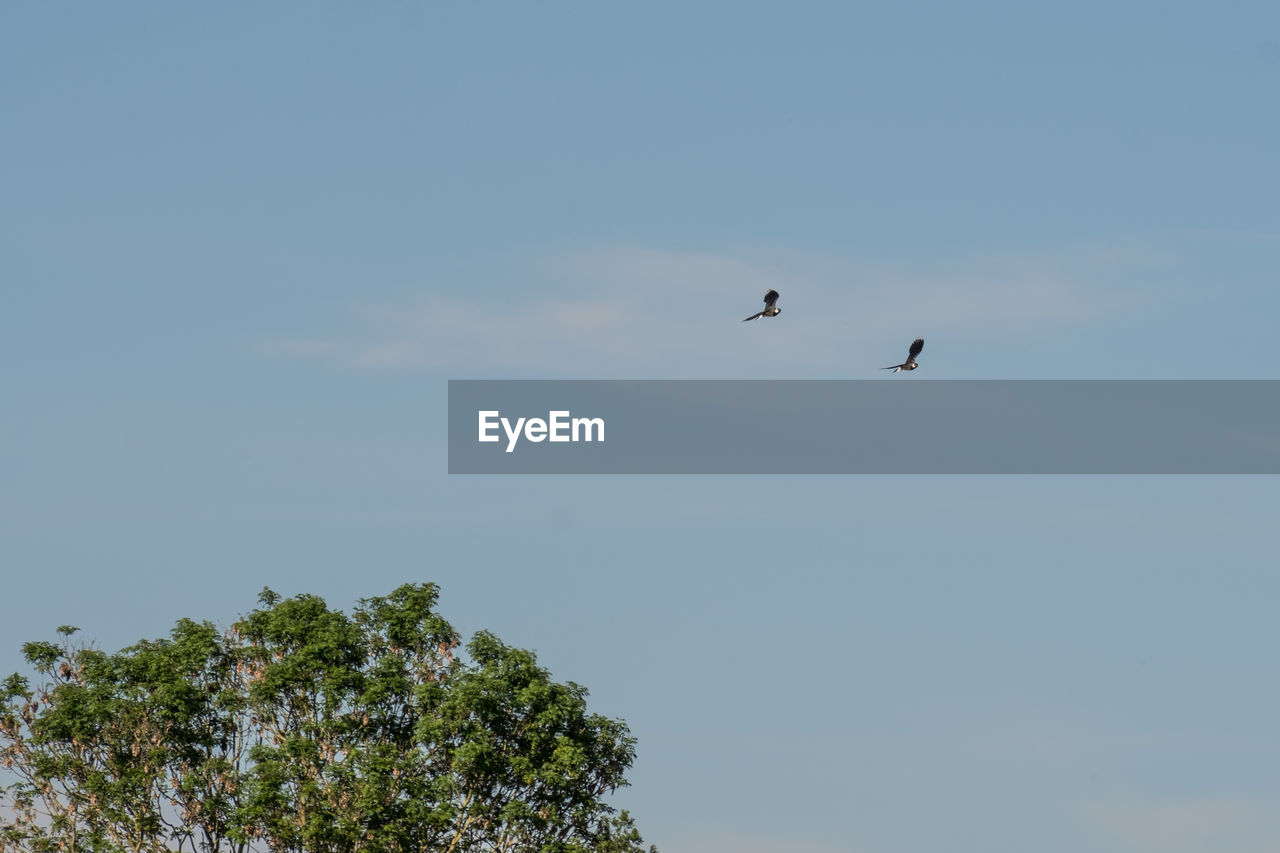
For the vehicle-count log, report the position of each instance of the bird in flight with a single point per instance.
(910, 364)
(771, 308)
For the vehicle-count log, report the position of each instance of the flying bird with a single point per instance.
(910, 364)
(771, 308)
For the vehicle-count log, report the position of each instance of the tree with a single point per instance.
(302, 728)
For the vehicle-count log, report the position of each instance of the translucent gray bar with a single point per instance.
(910, 426)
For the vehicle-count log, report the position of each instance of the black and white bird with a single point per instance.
(771, 308)
(910, 364)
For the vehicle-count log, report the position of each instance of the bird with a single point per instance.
(771, 308)
(910, 364)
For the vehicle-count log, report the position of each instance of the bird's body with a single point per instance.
(771, 308)
(910, 364)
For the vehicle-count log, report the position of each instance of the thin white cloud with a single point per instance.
(651, 313)
(1224, 824)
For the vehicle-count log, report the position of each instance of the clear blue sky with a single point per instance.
(243, 249)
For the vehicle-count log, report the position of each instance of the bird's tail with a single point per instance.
(754, 317)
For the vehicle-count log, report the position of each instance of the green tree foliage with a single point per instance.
(302, 728)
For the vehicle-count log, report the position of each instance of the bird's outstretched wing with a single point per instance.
(770, 306)
(917, 346)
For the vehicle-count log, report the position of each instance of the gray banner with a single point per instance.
(864, 427)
